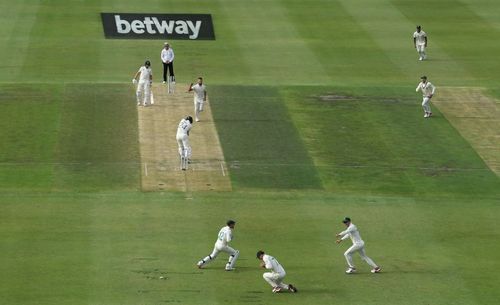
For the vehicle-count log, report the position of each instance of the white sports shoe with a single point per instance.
(350, 270)
(276, 289)
(376, 270)
(420, 58)
(426, 115)
(199, 264)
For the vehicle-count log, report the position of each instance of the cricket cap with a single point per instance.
(230, 222)
(423, 77)
(166, 43)
(346, 219)
(147, 63)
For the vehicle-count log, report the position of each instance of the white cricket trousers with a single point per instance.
(219, 249)
(143, 92)
(184, 147)
(360, 248)
(275, 279)
(426, 104)
(421, 50)
(198, 107)
(233, 255)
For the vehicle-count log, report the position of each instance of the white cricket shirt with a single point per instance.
(353, 233)
(225, 236)
(199, 91)
(427, 88)
(419, 37)
(273, 264)
(184, 127)
(145, 74)
(167, 55)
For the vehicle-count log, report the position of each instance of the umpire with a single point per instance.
(167, 57)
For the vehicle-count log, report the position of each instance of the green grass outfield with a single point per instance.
(76, 229)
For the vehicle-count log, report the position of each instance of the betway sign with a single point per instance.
(158, 26)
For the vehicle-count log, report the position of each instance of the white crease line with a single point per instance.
(222, 168)
(145, 169)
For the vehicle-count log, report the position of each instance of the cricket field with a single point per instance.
(313, 116)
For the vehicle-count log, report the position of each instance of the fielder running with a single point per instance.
(221, 245)
(277, 274)
(182, 138)
(200, 96)
(428, 90)
(143, 92)
(358, 245)
(420, 42)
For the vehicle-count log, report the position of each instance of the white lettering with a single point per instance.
(181, 27)
(149, 25)
(148, 22)
(194, 28)
(137, 26)
(164, 26)
(122, 26)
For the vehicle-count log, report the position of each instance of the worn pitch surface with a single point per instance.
(476, 116)
(160, 164)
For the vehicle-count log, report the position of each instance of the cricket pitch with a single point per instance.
(160, 162)
(476, 117)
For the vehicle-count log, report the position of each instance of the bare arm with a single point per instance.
(190, 87)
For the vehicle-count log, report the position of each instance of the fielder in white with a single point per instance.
(420, 42)
(428, 90)
(182, 137)
(145, 76)
(277, 274)
(200, 96)
(358, 245)
(221, 245)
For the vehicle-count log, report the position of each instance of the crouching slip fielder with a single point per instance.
(182, 137)
(145, 75)
(428, 90)
(221, 245)
(358, 245)
(277, 274)
(200, 96)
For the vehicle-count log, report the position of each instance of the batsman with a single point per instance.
(145, 76)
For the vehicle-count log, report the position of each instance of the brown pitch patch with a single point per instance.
(476, 116)
(160, 164)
